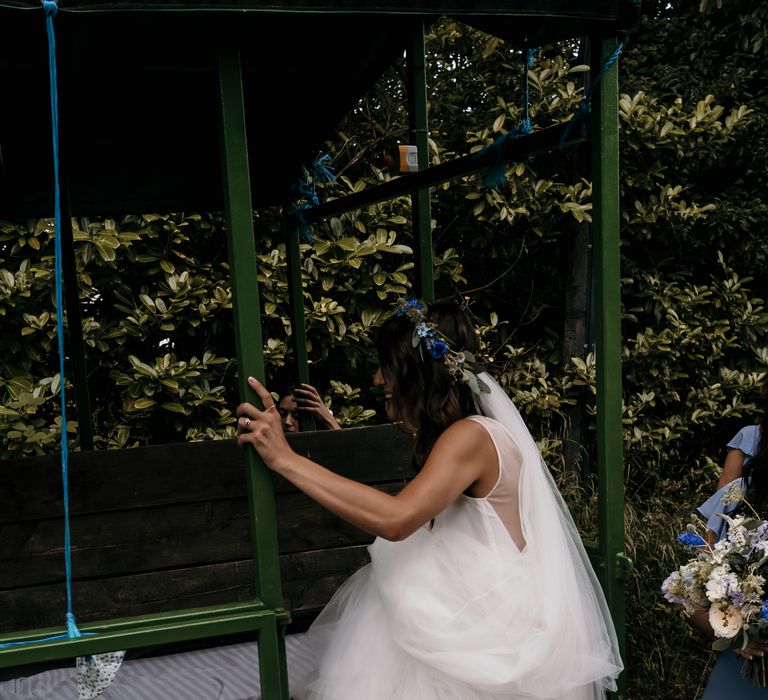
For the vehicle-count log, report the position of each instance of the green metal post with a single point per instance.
(421, 213)
(296, 300)
(605, 182)
(250, 355)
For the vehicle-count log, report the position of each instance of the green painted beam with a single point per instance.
(539, 141)
(250, 352)
(421, 212)
(604, 134)
(135, 632)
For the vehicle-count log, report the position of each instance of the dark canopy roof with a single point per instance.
(138, 87)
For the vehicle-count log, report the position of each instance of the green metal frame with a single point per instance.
(250, 359)
(611, 565)
(265, 615)
(421, 212)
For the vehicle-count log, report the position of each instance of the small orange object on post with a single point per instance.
(409, 159)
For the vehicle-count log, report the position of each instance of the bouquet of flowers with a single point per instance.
(728, 580)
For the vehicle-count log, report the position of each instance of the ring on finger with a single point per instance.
(246, 423)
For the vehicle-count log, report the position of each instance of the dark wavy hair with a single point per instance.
(756, 469)
(424, 396)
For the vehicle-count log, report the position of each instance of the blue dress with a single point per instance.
(725, 681)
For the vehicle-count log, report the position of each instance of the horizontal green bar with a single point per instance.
(134, 632)
(514, 149)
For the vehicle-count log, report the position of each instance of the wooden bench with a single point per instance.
(167, 528)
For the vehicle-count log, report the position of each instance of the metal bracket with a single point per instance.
(624, 567)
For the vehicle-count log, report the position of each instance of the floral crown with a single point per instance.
(426, 335)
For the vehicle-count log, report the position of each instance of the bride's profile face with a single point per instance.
(386, 385)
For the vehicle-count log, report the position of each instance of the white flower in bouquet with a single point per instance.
(725, 623)
(721, 584)
(720, 551)
(728, 581)
(737, 535)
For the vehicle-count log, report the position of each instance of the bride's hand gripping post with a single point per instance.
(262, 428)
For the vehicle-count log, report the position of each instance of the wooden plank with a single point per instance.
(309, 580)
(138, 541)
(165, 528)
(106, 480)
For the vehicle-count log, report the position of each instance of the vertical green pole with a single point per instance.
(250, 358)
(605, 182)
(421, 213)
(296, 301)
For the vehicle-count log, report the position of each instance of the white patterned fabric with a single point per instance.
(95, 673)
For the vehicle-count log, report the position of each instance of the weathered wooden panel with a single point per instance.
(106, 480)
(309, 580)
(184, 535)
(167, 527)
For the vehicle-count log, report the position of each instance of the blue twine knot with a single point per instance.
(305, 232)
(322, 170)
(495, 176)
(583, 109)
(72, 629)
(307, 191)
(50, 7)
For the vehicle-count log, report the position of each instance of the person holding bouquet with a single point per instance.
(744, 446)
(724, 588)
(479, 587)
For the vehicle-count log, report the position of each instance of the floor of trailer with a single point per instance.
(228, 672)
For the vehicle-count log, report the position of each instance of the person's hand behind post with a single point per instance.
(308, 400)
(262, 429)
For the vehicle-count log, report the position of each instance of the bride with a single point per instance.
(479, 587)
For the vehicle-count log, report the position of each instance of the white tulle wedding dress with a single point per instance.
(495, 600)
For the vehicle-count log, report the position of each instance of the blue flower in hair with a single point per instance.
(425, 331)
(438, 349)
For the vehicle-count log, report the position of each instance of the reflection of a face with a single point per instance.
(289, 416)
(385, 385)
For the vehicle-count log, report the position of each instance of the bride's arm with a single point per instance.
(463, 455)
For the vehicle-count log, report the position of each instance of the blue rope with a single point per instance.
(51, 8)
(583, 109)
(495, 176)
(307, 191)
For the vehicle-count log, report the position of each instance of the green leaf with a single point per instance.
(349, 244)
(141, 404)
(175, 407)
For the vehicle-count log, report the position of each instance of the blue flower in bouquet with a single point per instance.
(691, 539)
(728, 581)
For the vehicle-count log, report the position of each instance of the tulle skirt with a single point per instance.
(456, 612)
